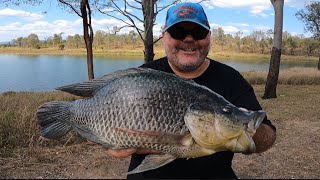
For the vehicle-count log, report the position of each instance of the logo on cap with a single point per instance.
(183, 11)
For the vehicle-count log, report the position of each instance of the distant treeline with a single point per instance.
(256, 42)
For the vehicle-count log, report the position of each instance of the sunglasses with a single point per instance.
(180, 33)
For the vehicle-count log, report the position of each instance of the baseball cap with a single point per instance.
(191, 12)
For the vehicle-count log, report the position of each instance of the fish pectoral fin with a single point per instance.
(152, 161)
(153, 137)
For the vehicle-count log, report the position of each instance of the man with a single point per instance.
(186, 38)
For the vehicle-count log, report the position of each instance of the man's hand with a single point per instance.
(123, 153)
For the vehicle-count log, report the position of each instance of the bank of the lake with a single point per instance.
(159, 52)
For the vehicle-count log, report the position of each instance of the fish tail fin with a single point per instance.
(53, 118)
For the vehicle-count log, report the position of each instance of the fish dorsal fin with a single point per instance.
(152, 161)
(90, 87)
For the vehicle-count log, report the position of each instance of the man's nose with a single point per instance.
(189, 37)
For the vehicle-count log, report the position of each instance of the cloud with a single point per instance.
(20, 14)
(226, 29)
(256, 7)
(46, 29)
(240, 24)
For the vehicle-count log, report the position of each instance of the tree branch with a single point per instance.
(71, 7)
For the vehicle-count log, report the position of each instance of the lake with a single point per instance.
(46, 72)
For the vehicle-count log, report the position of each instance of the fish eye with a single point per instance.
(227, 109)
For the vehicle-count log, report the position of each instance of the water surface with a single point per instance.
(46, 72)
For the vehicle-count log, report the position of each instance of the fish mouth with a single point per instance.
(257, 119)
(253, 125)
(244, 143)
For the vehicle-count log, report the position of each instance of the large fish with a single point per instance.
(146, 108)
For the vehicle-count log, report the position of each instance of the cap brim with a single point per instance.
(166, 28)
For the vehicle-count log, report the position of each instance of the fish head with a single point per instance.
(223, 127)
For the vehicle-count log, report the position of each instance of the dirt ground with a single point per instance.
(296, 153)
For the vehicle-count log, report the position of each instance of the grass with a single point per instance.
(18, 126)
(290, 76)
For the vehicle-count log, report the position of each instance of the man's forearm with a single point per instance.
(264, 138)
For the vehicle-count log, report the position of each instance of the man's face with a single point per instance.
(186, 54)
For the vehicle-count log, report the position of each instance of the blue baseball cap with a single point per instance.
(190, 12)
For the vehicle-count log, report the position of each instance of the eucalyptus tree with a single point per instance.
(273, 74)
(145, 12)
(292, 42)
(33, 40)
(83, 9)
(237, 36)
(311, 18)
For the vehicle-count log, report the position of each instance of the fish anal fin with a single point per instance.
(152, 161)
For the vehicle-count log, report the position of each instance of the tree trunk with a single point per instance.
(148, 15)
(273, 75)
(87, 35)
(319, 61)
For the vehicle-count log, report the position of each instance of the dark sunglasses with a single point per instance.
(180, 33)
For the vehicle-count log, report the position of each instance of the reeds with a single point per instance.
(18, 125)
(290, 76)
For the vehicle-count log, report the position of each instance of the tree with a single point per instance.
(33, 40)
(237, 36)
(149, 9)
(57, 39)
(311, 18)
(273, 74)
(82, 8)
(219, 35)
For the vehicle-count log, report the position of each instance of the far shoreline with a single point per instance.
(138, 52)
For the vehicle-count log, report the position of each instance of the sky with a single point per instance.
(232, 16)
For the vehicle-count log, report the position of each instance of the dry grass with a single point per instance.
(295, 112)
(23, 154)
(290, 76)
(18, 126)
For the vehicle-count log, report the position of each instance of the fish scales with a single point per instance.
(134, 103)
(140, 107)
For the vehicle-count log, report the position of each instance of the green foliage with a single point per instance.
(311, 18)
(61, 46)
(257, 42)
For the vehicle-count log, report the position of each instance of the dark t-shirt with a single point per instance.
(227, 82)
